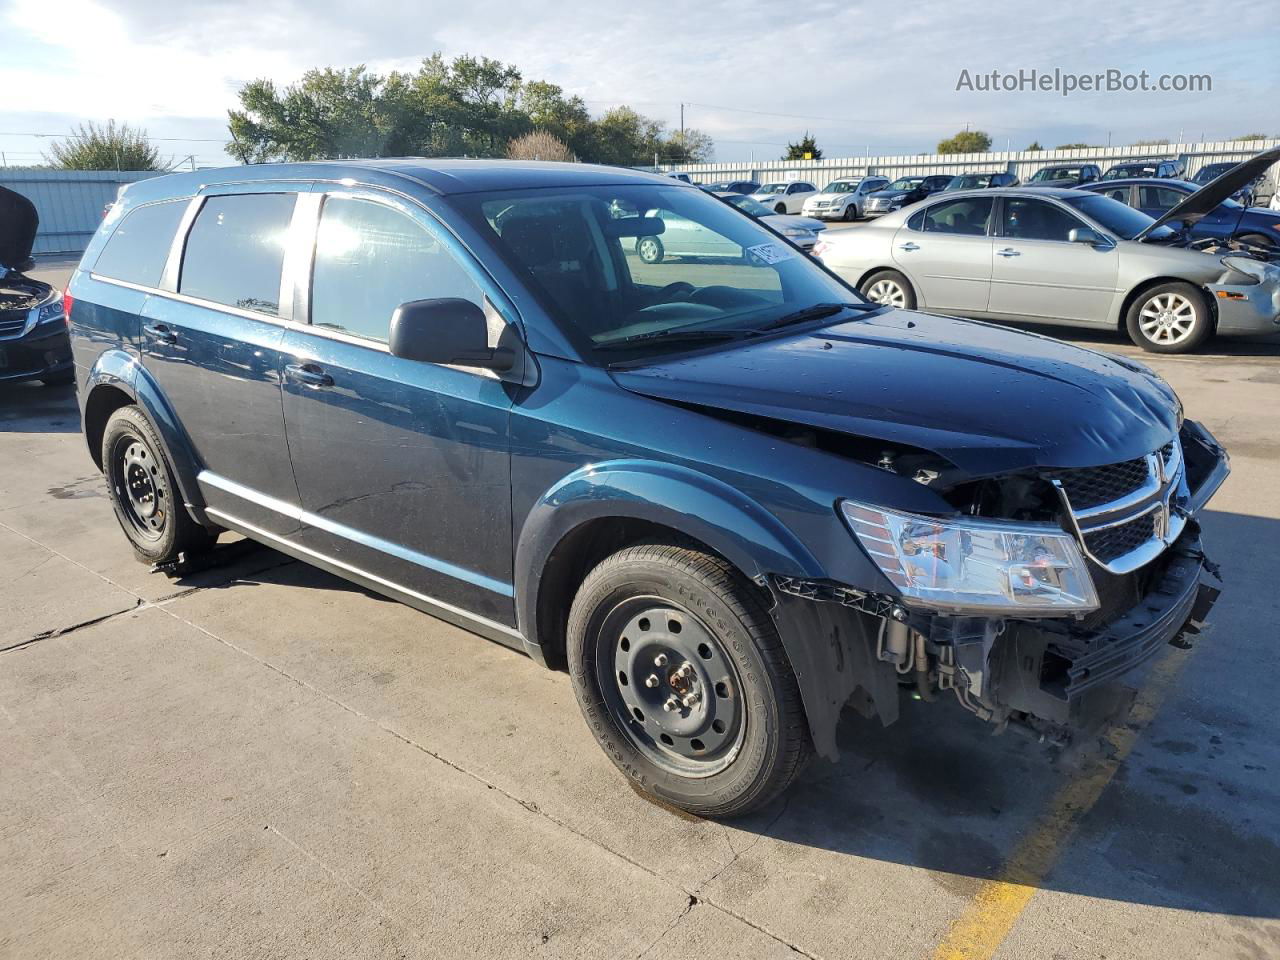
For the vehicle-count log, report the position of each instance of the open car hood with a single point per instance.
(988, 399)
(1205, 200)
(18, 223)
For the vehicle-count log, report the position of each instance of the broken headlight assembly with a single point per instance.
(975, 566)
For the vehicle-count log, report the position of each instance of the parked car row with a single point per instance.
(1199, 264)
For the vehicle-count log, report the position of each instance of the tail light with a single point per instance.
(67, 301)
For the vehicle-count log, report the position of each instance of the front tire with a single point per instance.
(890, 288)
(780, 208)
(144, 493)
(682, 678)
(851, 213)
(1169, 318)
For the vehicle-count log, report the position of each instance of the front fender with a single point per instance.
(121, 371)
(700, 506)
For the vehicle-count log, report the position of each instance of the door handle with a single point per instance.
(909, 246)
(310, 374)
(1008, 252)
(160, 331)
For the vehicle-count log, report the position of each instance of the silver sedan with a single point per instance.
(1059, 256)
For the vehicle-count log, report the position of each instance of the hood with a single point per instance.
(988, 399)
(1205, 200)
(889, 194)
(18, 223)
(779, 220)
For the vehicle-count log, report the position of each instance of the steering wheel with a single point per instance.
(673, 290)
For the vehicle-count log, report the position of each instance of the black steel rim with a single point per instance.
(138, 479)
(670, 687)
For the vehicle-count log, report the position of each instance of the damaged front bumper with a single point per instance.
(1050, 674)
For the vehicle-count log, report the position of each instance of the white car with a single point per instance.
(785, 196)
(843, 199)
(801, 231)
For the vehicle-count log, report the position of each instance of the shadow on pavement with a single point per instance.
(31, 407)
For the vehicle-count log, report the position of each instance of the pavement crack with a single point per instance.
(63, 631)
(760, 835)
(688, 908)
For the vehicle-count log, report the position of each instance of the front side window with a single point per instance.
(906, 183)
(1117, 193)
(675, 261)
(772, 188)
(967, 216)
(370, 258)
(139, 247)
(235, 251)
(1026, 219)
(841, 186)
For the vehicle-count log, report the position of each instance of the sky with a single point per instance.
(863, 77)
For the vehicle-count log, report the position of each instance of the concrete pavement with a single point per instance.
(263, 761)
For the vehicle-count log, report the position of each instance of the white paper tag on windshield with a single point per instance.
(769, 253)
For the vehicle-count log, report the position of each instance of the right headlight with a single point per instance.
(1256, 269)
(975, 566)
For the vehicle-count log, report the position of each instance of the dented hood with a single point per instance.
(989, 399)
(18, 223)
(1204, 201)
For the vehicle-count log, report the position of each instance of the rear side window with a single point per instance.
(235, 251)
(137, 251)
(370, 258)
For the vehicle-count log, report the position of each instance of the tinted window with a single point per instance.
(138, 249)
(1116, 193)
(1159, 198)
(967, 216)
(1122, 220)
(1036, 220)
(370, 258)
(235, 251)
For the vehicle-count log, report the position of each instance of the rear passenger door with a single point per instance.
(402, 467)
(211, 339)
(946, 251)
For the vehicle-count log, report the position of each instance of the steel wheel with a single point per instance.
(888, 292)
(1167, 319)
(141, 485)
(670, 687)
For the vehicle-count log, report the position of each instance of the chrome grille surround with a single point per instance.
(15, 323)
(1132, 529)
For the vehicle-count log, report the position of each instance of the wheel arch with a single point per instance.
(1139, 289)
(599, 509)
(118, 380)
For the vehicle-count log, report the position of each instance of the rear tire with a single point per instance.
(1169, 318)
(682, 678)
(890, 288)
(650, 249)
(144, 493)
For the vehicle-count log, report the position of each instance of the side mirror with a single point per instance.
(446, 331)
(1086, 235)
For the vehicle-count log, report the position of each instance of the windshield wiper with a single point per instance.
(675, 336)
(817, 312)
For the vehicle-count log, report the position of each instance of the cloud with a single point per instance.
(857, 75)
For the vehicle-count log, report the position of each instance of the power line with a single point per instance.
(4, 133)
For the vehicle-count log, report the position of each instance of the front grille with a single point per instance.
(1093, 486)
(1110, 543)
(12, 323)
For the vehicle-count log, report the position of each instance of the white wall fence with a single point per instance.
(1020, 163)
(69, 202)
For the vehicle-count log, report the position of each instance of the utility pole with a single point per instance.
(682, 146)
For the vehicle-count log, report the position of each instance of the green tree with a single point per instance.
(1253, 136)
(807, 145)
(1035, 146)
(1074, 146)
(1158, 142)
(106, 147)
(688, 146)
(966, 141)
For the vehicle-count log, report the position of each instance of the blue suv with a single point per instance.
(729, 494)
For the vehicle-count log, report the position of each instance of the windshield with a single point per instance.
(973, 181)
(748, 205)
(905, 183)
(1132, 170)
(1055, 173)
(773, 188)
(1211, 172)
(841, 186)
(634, 270)
(1124, 221)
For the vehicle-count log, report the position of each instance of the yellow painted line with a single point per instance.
(978, 932)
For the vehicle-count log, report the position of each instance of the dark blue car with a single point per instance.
(1229, 220)
(729, 494)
